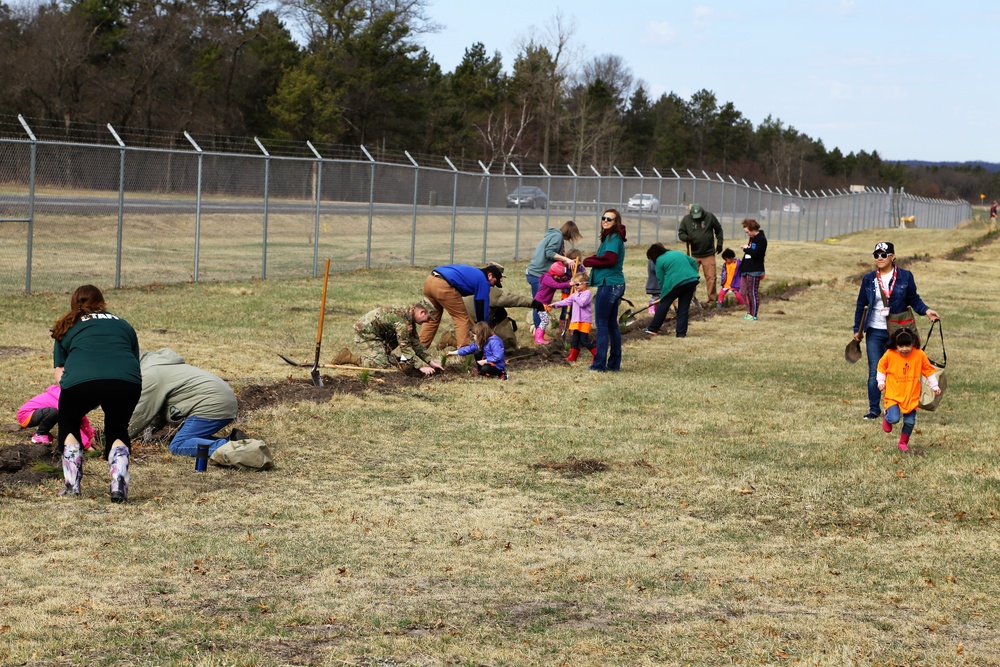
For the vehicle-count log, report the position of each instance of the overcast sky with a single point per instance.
(910, 79)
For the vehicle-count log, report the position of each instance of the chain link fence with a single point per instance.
(74, 213)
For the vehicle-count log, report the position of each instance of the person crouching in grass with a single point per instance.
(487, 349)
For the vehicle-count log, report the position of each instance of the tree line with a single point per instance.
(231, 69)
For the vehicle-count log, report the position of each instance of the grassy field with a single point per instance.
(718, 502)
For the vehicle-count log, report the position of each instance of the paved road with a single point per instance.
(17, 206)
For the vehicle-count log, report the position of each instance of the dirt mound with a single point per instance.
(29, 463)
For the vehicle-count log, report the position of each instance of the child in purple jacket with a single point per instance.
(730, 282)
(581, 319)
(487, 349)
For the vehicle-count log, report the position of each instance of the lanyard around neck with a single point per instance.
(885, 293)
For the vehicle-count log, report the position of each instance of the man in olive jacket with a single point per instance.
(174, 392)
(702, 233)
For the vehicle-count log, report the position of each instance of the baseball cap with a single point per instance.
(496, 270)
(428, 306)
(696, 211)
(885, 247)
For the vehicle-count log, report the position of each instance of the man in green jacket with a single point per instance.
(173, 393)
(702, 233)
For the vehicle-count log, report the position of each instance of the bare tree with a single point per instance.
(549, 57)
(503, 134)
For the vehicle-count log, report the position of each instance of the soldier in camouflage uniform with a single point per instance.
(388, 336)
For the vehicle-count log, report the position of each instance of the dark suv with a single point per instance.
(527, 196)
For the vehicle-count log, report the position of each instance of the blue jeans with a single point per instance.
(198, 431)
(876, 342)
(534, 282)
(892, 414)
(608, 356)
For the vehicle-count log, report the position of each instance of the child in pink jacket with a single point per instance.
(42, 412)
(581, 319)
(549, 283)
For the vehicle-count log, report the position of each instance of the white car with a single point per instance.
(793, 207)
(641, 202)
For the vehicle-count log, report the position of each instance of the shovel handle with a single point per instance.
(322, 311)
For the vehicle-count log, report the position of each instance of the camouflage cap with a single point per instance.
(426, 304)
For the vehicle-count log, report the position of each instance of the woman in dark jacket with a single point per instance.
(887, 289)
(752, 267)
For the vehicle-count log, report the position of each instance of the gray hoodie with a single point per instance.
(173, 391)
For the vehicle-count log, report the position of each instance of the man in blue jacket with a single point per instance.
(887, 289)
(445, 288)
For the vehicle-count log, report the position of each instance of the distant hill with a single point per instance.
(988, 166)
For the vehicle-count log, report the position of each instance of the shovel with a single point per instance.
(627, 319)
(314, 373)
(852, 353)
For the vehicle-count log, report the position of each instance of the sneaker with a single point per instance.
(871, 416)
(650, 332)
(42, 438)
(749, 318)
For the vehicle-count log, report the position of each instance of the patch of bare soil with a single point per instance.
(572, 467)
(967, 253)
(28, 463)
(13, 351)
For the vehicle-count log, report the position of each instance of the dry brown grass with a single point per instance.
(717, 502)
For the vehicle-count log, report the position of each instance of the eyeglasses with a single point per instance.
(880, 255)
(608, 218)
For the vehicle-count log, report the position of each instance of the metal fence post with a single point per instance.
(318, 188)
(642, 191)
(598, 212)
(486, 213)
(371, 208)
(736, 193)
(659, 198)
(621, 188)
(31, 202)
(413, 227)
(694, 187)
(454, 208)
(575, 183)
(197, 206)
(517, 215)
(267, 185)
(121, 206)
(548, 196)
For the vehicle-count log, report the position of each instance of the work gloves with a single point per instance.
(718, 249)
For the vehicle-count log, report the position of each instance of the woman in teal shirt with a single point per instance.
(607, 276)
